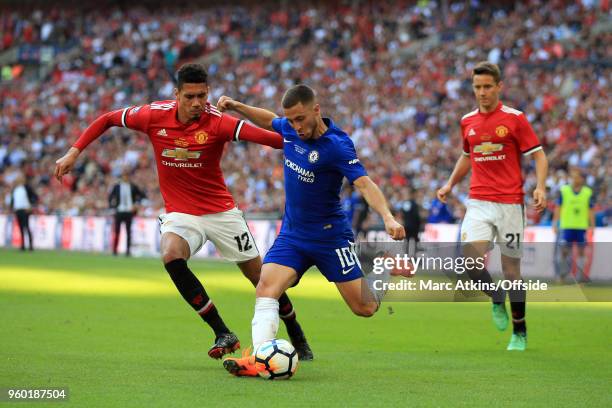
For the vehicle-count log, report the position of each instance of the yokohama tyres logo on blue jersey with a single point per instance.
(304, 175)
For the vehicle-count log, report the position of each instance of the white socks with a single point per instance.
(265, 320)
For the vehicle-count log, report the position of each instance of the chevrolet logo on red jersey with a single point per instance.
(180, 154)
(488, 148)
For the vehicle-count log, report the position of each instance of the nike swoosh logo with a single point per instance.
(286, 141)
(344, 272)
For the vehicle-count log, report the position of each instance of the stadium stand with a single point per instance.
(394, 74)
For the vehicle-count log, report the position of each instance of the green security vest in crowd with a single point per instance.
(575, 208)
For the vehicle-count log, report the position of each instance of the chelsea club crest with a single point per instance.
(313, 157)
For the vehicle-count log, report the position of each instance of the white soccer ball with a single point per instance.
(277, 359)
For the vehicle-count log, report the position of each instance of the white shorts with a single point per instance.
(228, 231)
(489, 221)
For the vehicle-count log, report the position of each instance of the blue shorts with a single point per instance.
(336, 260)
(573, 235)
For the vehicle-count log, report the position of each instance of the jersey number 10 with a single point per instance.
(347, 256)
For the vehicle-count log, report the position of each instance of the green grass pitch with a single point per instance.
(116, 333)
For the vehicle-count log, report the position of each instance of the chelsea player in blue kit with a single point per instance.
(315, 230)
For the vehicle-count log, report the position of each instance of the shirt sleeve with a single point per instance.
(527, 139)
(348, 163)
(466, 144)
(230, 127)
(277, 125)
(136, 118)
(133, 117)
(236, 130)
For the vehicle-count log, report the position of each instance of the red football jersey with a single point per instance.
(494, 142)
(187, 156)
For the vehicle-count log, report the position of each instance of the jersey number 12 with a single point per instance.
(244, 242)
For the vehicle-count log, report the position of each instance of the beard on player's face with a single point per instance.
(190, 109)
(309, 129)
(188, 112)
(191, 98)
(195, 107)
(303, 119)
(196, 115)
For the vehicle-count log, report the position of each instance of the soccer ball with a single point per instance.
(277, 359)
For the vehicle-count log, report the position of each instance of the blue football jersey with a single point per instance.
(314, 170)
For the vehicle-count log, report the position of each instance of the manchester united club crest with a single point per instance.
(313, 157)
(180, 142)
(501, 131)
(201, 137)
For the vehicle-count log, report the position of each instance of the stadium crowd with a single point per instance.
(394, 74)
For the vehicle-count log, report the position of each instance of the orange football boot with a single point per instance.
(244, 366)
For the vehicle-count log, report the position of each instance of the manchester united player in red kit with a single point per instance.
(495, 137)
(188, 136)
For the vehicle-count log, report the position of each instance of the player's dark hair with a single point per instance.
(298, 94)
(191, 74)
(487, 68)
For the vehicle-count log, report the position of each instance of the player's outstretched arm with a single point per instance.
(539, 194)
(261, 136)
(65, 164)
(462, 168)
(260, 117)
(375, 199)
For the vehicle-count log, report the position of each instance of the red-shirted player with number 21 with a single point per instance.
(188, 136)
(495, 137)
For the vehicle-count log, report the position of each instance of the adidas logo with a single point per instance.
(162, 133)
(471, 133)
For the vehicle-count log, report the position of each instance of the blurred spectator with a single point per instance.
(124, 199)
(394, 74)
(575, 215)
(22, 201)
(409, 208)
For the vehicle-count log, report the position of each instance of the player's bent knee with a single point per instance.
(173, 252)
(174, 247)
(168, 257)
(264, 288)
(365, 309)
